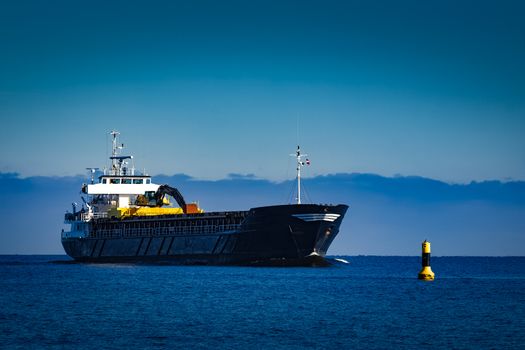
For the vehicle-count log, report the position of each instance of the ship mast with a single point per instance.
(300, 164)
(114, 151)
(118, 166)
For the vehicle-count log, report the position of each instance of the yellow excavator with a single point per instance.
(152, 202)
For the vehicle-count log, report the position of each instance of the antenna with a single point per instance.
(92, 171)
(117, 161)
(114, 151)
(297, 128)
(300, 164)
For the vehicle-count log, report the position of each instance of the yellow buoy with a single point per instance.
(426, 273)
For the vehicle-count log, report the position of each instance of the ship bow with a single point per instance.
(290, 233)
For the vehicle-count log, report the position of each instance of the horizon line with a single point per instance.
(253, 177)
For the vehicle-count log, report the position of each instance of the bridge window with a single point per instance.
(114, 181)
(148, 181)
(104, 181)
(126, 181)
(138, 181)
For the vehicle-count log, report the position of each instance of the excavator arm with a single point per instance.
(164, 190)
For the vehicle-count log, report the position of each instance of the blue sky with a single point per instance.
(207, 88)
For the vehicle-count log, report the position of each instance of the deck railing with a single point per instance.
(163, 231)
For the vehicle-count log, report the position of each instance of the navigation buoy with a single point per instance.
(426, 273)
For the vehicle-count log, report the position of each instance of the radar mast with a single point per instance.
(300, 164)
(118, 164)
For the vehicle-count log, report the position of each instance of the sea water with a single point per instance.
(369, 303)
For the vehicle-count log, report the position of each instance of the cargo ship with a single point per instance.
(126, 218)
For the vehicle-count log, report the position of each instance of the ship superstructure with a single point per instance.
(128, 218)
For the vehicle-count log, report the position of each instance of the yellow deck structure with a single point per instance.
(146, 211)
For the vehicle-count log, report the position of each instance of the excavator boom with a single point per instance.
(171, 191)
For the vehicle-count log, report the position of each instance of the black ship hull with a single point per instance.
(274, 235)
